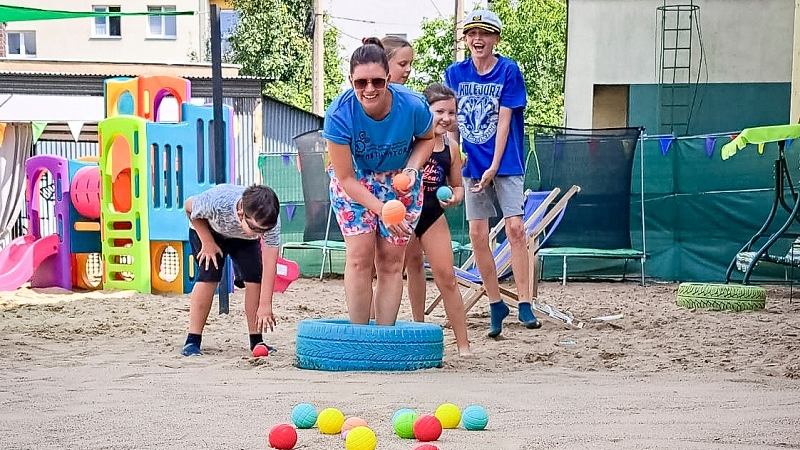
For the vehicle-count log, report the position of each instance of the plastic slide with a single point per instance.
(19, 260)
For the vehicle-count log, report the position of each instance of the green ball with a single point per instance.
(400, 411)
(474, 418)
(304, 415)
(404, 425)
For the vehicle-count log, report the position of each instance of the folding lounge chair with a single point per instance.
(540, 221)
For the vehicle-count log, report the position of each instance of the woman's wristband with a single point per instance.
(411, 169)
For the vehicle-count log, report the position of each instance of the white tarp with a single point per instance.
(51, 108)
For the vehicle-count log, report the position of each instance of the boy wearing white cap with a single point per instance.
(491, 100)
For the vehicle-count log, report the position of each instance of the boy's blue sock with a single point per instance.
(499, 311)
(192, 345)
(526, 316)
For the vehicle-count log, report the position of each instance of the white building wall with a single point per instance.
(618, 42)
(71, 39)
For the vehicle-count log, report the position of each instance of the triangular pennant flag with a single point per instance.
(788, 142)
(592, 147)
(286, 159)
(710, 141)
(734, 136)
(75, 128)
(559, 149)
(297, 162)
(290, 209)
(665, 143)
(38, 129)
(761, 148)
(2, 133)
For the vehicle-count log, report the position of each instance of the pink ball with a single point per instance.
(427, 428)
(426, 447)
(260, 351)
(283, 437)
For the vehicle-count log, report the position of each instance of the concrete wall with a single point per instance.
(619, 42)
(71, 39)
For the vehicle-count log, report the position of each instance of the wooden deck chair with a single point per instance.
(540, 221)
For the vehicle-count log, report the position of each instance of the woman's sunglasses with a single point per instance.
(377, 83)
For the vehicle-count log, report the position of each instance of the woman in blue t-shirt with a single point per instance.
(369, 130)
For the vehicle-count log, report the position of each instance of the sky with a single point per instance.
(357, 19)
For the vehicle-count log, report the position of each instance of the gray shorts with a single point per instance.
(509, 191)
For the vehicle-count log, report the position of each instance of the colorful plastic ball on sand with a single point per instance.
(260, 351)
(400, 182)
(330, 421)
(304, 415)
(401, 411)
(449, 415)
(393, 212)
(353, 422)
(282, 436)
(404, 425)
(360, 438)
(444, 193)
(474, 418)
(426, 447)
(427, 428)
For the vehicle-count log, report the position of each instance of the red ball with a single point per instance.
(260, 351)
(426, 447)
(282, 436)
(427, 428)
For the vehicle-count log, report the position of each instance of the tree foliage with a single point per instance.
(273, 40)
(534, 35)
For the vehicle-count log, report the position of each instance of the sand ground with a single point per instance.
(102, 370)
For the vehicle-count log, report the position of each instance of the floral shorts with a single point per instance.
(355, 218)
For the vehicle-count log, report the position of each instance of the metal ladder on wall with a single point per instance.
(675, 86)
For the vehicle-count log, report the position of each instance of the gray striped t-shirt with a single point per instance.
(218, 206)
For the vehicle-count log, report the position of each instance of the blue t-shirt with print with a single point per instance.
(479, 100)
(378, 145)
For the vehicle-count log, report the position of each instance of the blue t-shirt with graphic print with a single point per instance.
(378, 145)
(479, 100)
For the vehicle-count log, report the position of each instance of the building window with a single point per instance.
(21, 44)
(161, 27)
(228, 19)
(107, 26)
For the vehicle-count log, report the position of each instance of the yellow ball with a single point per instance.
(360, 438)
(330, 421)
(449, 415)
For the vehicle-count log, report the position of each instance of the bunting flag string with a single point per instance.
(665, 143)
(290, 210)
(710, 142)
(38, 129)
(286, 159)
(2, 133)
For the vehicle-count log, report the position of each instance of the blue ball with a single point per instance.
(444, 193)
(401, 411)
(304, 415)
(474, 418)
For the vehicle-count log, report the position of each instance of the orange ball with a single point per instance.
(393, 213)
(401, 181)
(353, 422)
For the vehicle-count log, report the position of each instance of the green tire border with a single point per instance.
(721, 297)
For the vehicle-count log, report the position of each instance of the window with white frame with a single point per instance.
(161, 27)
(21, 44)
(228, 18)
(107, 26)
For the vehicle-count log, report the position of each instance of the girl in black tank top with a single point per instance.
(432, 234)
